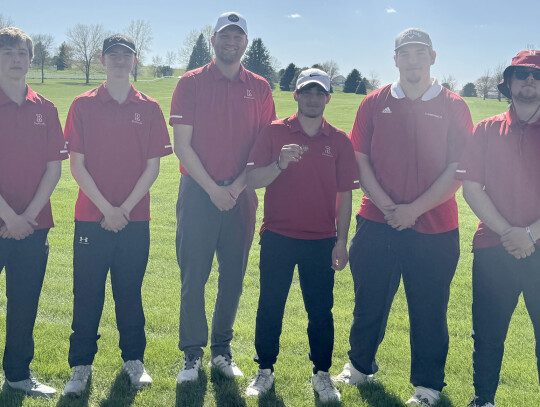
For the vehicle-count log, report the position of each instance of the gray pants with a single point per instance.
(202, 231)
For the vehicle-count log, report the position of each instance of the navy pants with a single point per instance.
(25, 262)
(279, 256)
(204, 231)
(379, 257)
(125, 254)
(498, 280)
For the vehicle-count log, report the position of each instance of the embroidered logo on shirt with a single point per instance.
(327, 151)
(249, 94)
(83, 240)
(65, 150)
(39, 120)
(137, 119)
(386, 110)
(433, 115)
(532, 52)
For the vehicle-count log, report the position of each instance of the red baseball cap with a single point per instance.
(529, 58)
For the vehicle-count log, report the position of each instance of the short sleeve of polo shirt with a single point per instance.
(159, 142)
(459, 131)
(183, 102)
(261, 154)
(56, 146)
(472, 164)
(347, 175)
(73, 132)
(362, 130)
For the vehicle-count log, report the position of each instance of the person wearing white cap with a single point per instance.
(217, 111)
(408, 138)
(309, 170)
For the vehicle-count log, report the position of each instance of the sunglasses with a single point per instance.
(523, 73)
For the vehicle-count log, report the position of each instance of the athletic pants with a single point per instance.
(279, 256)
(203, 230)
(498, 280)
(379, 257)
(25, 262)
(125, 254)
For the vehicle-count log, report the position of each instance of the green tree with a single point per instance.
(352, 81)
(42, 51)
(469, 90)
(257, 59)
(287, 77)
(200, 55)
(361, 89)
(63, 59)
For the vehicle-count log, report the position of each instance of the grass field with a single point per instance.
(161, 289)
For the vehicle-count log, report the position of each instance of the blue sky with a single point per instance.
(468, 36)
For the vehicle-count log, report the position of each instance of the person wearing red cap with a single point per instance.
(217, 111)
(116, 136)
(31, 151)
(408, 138)
(309, 170)
(500, 172)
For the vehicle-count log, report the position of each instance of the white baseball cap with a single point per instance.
(313, 75)
(231, 18)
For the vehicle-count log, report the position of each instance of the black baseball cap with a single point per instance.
(118, 39)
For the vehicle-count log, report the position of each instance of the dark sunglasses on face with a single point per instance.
(523, 73)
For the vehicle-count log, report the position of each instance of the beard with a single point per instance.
(527, 95)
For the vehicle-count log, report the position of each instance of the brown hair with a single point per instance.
(10, 36)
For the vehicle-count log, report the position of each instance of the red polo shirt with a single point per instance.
(504, 157)
(410, 143)
(301, 202)
(226, 115)
(30, 137)
(116, 140)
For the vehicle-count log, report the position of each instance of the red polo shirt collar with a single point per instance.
(295, 126)
(218, 75)
(512, 119)
(104, 95)
(31, 96)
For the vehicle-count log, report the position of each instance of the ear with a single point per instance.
(295, 95)
(135, 60)
(328, 98)
(212, 39)
(395, 60)
(433, 57)
(102, 60)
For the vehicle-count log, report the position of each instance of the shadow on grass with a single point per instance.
(82, 401)
(444, 401)
(10, 398)
(270, 399)
(121, 394)
(226, 390)
(375, 395)
(191, 394)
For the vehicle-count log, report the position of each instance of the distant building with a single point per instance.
(338, 81)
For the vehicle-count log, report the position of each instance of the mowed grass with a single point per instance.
(161, 292)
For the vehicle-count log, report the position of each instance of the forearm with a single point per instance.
(6, 212)
(143, 184)
(263, 176)
(191, 162)
(439, 192)
(87, 183)
(370, 186)
(343, 215)
(535, 229)
(45, 189)
(483, 207)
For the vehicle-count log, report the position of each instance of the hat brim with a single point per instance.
(304, 84)
(414, 42)
(114, 45)
(228, 25)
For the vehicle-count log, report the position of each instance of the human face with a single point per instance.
(119, 61)
(414, 62)
(311, 101)
(229, 44)
(14, 61)
(525, 90)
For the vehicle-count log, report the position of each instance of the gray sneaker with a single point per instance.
(137, 374)
(351, 376)
(262, 383)
(323, 386)
(77, 383)
(31, 387)
(226, 365)
(190, 370)
(476, 403)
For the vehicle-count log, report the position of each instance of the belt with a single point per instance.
(225, 183)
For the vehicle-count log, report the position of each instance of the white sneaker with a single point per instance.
(262, 383)
(322, 384)
(475, 403)
(137, 374)
(350, 375)
(225, 364)
(190, 370)
(77, 383)
(423, 396)
(31, 387)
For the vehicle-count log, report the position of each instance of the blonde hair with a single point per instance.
(10, 36)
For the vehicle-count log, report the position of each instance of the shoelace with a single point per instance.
(326, 382)
(260, 380)
(79, 374)
(189, 362)
(134, 367)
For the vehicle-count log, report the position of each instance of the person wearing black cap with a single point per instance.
(115, 136)
(408, 138)
(500, 172)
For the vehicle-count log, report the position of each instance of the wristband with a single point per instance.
(277, 165)
(528, 229)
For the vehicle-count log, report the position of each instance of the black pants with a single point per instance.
(25, 262)
(498, 281)
(379, 256)
(279, 256)
(95, 251)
